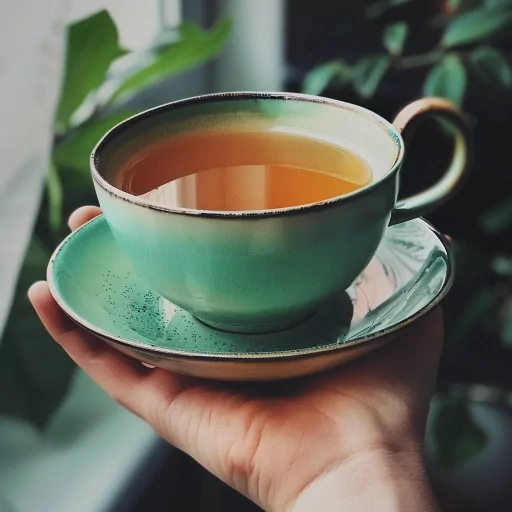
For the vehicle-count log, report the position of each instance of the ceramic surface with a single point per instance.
(261, 271)
(99, 289)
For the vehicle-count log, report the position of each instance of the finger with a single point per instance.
(408, 363)
(117, 374)
(83, 215)
(146, 392)
(414, 357)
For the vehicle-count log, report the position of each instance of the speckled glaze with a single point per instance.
(98, 288)
(255, 271)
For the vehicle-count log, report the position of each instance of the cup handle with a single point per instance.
(406, 121)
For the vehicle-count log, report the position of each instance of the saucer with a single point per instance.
(98, 288)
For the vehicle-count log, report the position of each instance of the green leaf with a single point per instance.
(498, 218)
(448, 80)
(92, 45)
(502, 265)
(72, 155)
(457, 438)
(369, 73)
(475, 25)
(481, 304)
(506, 323)
(319, 78)
(194, 47)
(394, 37)
(471, 304)
(74, 151)
(454, 4)
(492, 67)
(34, 371)
(457, 6)
(54, 187)
(506, 332)
(498, 3)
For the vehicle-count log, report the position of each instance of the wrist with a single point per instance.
(381, 479)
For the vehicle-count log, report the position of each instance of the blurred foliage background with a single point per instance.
(378, 53)
(394, 51)
(100, 78)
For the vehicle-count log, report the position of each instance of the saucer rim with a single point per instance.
(250, 357)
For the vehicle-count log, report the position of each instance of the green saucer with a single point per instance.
(99, 289)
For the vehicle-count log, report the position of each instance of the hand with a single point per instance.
(352, 434)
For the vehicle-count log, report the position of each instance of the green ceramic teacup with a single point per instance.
(260, 271)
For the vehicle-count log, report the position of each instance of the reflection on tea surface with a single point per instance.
(236, 171)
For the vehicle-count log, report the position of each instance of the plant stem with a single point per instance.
(419, 61)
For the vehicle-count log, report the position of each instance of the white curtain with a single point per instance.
(32, 40)
(31, 49)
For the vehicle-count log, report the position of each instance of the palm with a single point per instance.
(258, 444)
(257, 439)
(265, 438)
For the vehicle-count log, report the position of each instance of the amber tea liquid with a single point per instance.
(234, 171)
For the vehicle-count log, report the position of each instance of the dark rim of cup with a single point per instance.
(95, 159)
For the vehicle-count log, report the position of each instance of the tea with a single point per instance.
(229, 170)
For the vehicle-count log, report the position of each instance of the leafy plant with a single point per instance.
(88, 58)
(463, 49)
(453, 436)
(467, 48)
(34, 372)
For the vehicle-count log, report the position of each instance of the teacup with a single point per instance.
(264, 270)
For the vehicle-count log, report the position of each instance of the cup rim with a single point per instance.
(95, 158)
